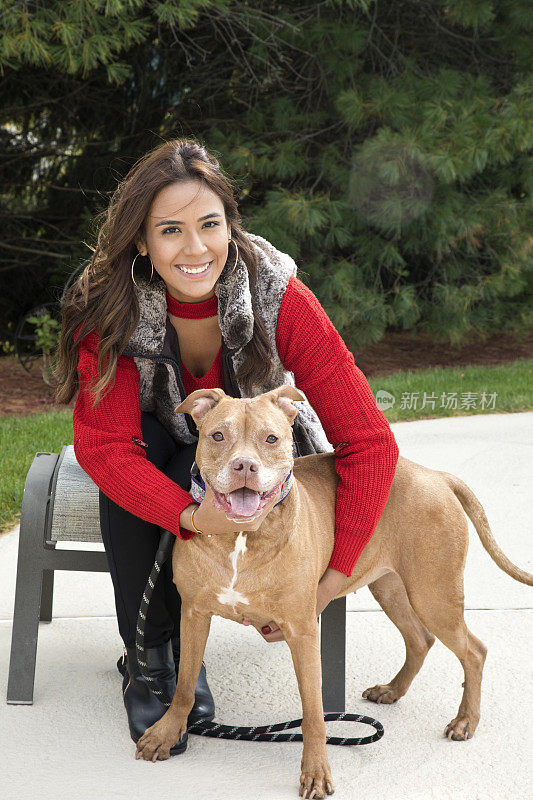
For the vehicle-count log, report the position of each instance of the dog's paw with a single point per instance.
(460, 729)
(382, 694)
(155, 743)
(316, 780)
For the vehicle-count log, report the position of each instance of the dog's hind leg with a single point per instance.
(441, 609)
(390, 593)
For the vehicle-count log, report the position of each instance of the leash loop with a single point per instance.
(262, 733)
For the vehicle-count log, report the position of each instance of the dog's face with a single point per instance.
(244, 448)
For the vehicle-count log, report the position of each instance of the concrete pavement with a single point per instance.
(75, 738)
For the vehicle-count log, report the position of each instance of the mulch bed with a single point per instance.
(24, 393)
(398, 351)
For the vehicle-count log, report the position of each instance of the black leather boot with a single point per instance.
(204, 705)
(142, 705)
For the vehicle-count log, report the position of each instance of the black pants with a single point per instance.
(131, 544)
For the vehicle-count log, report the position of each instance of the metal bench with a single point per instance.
(61, 503)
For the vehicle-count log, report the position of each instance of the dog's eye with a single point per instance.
(271, 436)
(218, 437)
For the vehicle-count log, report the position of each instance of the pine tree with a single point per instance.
(385, 146)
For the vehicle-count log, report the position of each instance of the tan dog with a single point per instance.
(413, 565)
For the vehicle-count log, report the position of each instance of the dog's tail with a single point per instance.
(475, 511)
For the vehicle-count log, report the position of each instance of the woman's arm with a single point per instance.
(107, 446)
(366, 451)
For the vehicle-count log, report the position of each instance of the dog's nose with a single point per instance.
(244, 465)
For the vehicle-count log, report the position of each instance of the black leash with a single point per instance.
(261, 733)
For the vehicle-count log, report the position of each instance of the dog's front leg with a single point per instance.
(157, 740)
(303, 640)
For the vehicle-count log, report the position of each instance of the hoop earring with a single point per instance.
(236, 255)
(132, 276)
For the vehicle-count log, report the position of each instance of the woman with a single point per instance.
(218, 307)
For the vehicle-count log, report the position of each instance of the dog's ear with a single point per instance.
(283, 397)
(199, 402)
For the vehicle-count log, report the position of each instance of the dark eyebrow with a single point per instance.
(177, 222)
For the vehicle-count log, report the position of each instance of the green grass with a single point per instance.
(22, 437)
(512, 385)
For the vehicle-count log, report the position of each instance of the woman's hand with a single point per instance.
(210, 519)
(329, 586)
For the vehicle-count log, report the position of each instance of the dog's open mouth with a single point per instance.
(243, 503)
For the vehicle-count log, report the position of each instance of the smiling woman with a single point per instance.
(177, 208)
(175, 211)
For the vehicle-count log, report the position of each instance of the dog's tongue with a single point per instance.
(244, 501)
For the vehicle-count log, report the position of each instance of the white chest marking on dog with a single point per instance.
(229, 595)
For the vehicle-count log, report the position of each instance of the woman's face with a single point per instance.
(178, 239)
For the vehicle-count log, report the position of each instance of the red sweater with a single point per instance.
(310, 347)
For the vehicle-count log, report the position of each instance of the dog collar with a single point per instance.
(197, 489)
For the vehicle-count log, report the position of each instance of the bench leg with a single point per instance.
(47, 595)
(30, 579)
(333, 653)
(24, 635)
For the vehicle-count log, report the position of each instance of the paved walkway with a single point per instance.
(74, 739)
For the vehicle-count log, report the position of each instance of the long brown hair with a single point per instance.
(103, 297)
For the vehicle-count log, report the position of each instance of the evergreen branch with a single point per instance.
(78, 189)
(33, 250)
